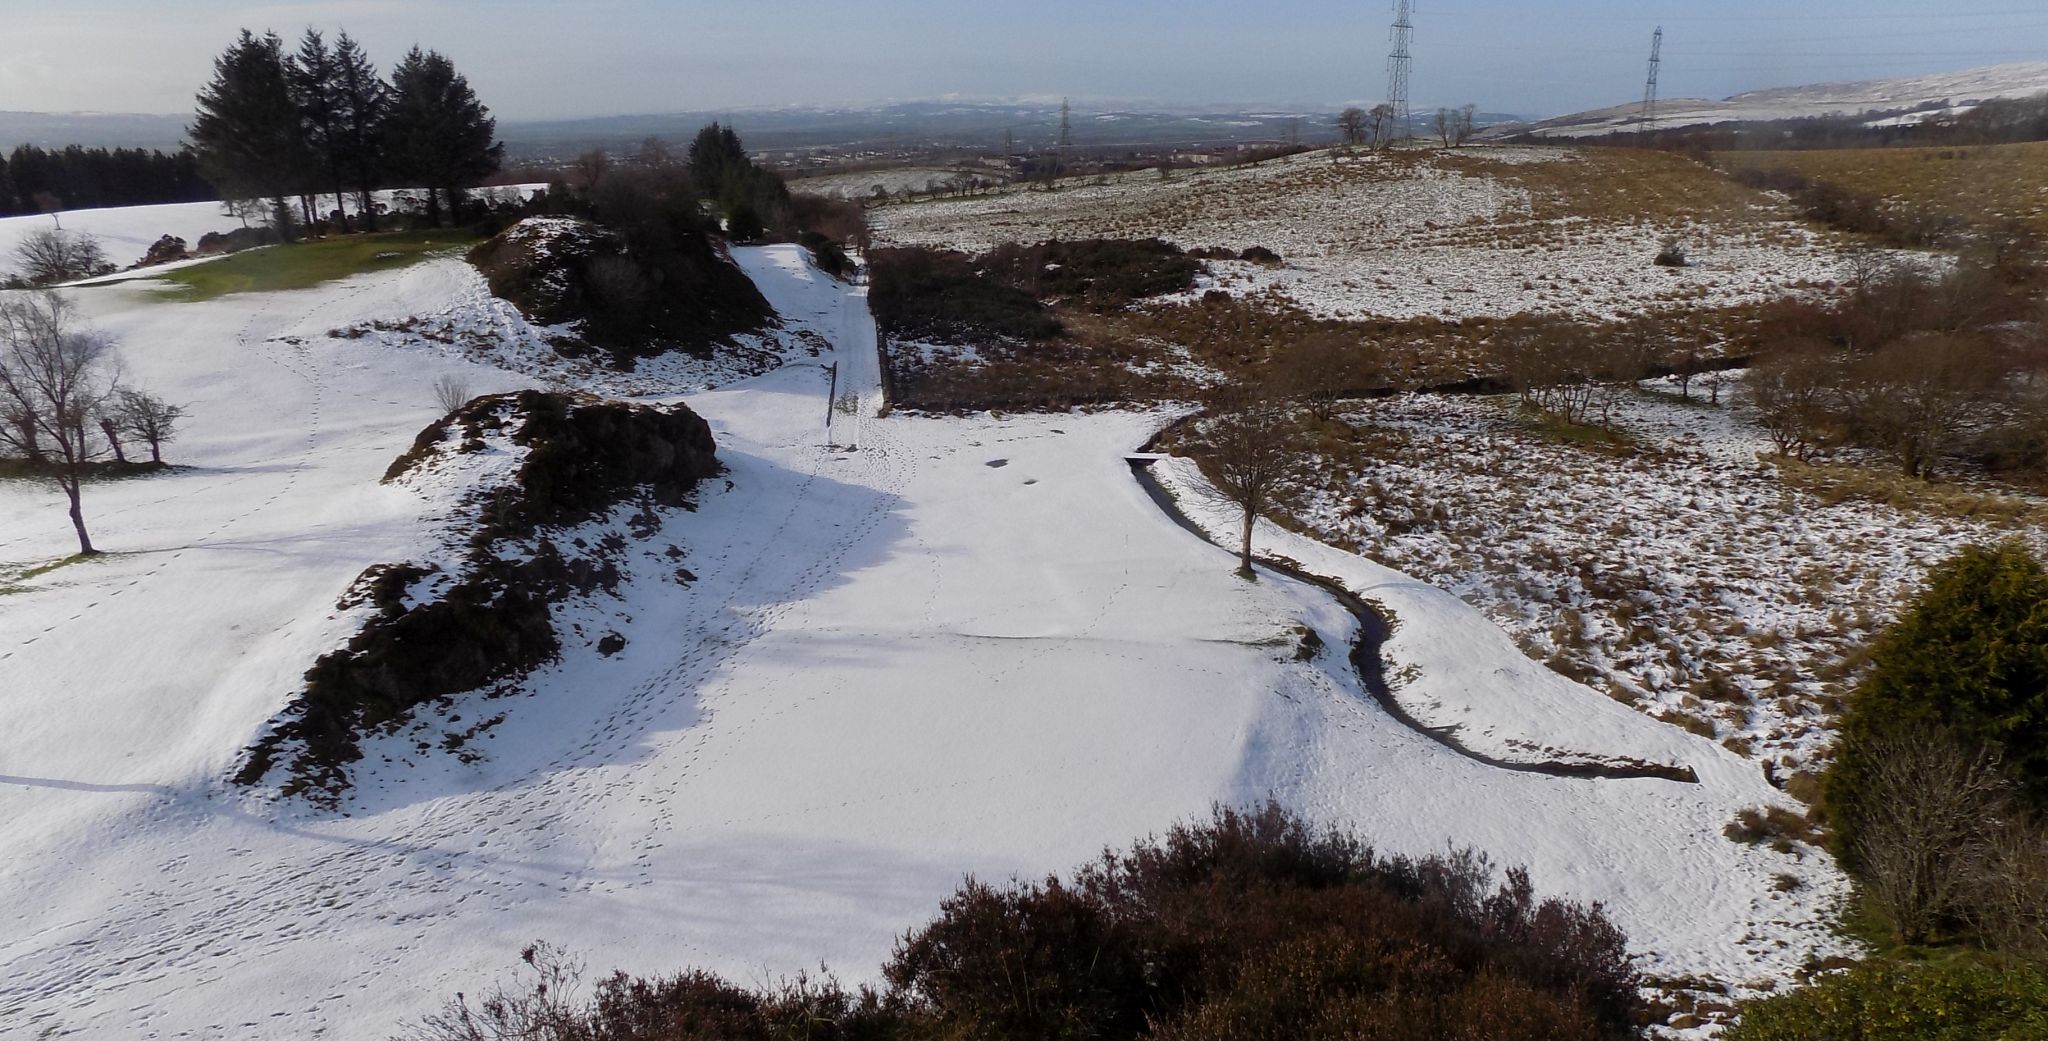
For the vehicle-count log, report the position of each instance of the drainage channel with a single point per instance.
(1367, 659)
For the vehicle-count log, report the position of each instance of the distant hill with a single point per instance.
(1904, 100)
(91, 129)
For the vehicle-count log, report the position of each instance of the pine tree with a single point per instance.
(439, 135)
(9, 202)
(361, 103)
(316, 94)
(246, 130)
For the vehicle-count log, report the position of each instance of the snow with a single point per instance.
(897, 663)
(126, 233)
(1446, 235)
(1948, 90)
(1687, 576)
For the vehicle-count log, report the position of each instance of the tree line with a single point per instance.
(37, 180)
(320, 121)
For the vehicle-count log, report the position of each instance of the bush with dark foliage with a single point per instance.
(1252, 925)
(1099, 273)
(939, 294)
(495, 621)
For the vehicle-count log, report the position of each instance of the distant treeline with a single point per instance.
(35, 180)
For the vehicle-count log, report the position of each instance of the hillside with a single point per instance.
(1925, 96)
(895, 658)
(1475, 233)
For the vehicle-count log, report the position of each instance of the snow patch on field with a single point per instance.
(895, 664)
(1402, 236)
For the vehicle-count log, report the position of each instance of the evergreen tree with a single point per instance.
(246, 130)
(9, 201)
(315, 80)
(361, 102)
(439, 135)
(1969, 659)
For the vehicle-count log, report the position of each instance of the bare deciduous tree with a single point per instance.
(1351, 124)
(1792, 390)
(1445, 123)
(1930, 808)
(51, 255)
(1918, 396)
(1380, 127)
(56, 379)
(150, 418)
(1317, 372)
(1465, 124)
(451, 392)
(1254, 453)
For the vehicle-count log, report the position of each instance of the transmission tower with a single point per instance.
(1649, 120)
(1399, 63)
(1066, 125)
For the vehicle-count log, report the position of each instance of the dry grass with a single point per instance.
(1979, 184)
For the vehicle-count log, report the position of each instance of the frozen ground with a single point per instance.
(1416, 235)
(1952, 91)
(914, 648)
(1687, 578)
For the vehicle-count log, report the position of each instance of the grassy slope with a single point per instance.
(305, 264)
(1979, 183)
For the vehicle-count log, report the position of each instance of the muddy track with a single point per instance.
(1367, 659)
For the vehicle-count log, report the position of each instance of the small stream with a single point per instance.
(1367, 659)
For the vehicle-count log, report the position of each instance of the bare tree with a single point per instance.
(57, 378)
(1465, 125)
(1930, 808)
(150, 418)
(1919, 396)
(1351, 124)
(1445, 123)
(1793, 390)
(1254, 454)
(1380, 127)
(51, 255)
(451, 392)
(2007, 900)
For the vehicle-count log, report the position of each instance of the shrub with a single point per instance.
(1672, 254)
(1957, 1000)
(1250, 925)
(937, 294)
(1101, 273)
(494, 621)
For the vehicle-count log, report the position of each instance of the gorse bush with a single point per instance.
(1250, 925)
(1949, 1001)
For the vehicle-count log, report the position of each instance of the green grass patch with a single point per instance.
(95, 472)
(1551, 427)
(301, 265)
(13, 576)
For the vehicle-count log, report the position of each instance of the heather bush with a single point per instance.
(1250, 925)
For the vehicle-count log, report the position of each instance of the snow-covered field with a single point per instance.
(127, 232)
(1951, 91)
(1686, 576)
(914, 648)
(1414, 235)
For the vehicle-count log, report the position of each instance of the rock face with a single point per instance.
(491, 622)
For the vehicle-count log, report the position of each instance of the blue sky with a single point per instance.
(555, 58)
